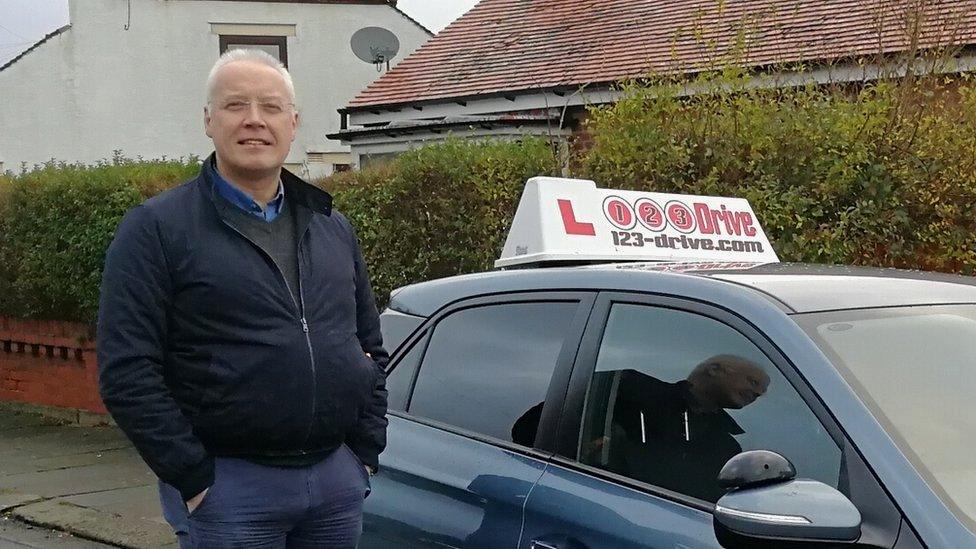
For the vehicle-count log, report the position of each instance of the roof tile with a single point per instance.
(513, 45)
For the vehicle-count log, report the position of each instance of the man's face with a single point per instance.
(741, 384)
(250, 119)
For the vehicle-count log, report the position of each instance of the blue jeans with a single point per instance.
(251, 505)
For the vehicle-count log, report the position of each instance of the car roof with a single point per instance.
(794, 287)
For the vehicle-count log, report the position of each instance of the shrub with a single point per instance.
(878, 174)
(432, 212)
(55, 225)
(439, 210)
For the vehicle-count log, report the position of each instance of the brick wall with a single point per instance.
(48, 363)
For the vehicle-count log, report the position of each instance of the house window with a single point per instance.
(376, 159)
(336, 168)
(277, 46)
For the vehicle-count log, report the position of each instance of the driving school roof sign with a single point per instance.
(571, 220)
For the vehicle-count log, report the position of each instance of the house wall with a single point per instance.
(133, 80)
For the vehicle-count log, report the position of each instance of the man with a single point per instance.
(678, 435)
(238, 339)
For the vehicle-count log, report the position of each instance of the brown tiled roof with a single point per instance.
(517, 45)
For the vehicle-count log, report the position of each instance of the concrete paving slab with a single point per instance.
(54, 414)
(49, 441)
(85, 480)
(139, 502)
(17, 535)
(15, 434)
(25, 464)
(17, 420)
(80, 480)
(97, 525)
(10, 499)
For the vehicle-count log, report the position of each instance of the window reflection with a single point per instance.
(676, 395)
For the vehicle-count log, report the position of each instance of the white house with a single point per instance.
(129, 76)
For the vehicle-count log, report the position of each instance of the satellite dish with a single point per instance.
(375, 45)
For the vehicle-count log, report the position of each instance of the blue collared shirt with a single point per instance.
(243, 201)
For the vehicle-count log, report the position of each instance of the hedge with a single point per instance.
(880, 174)
(440, 210)
(55, 225)
(434, 212)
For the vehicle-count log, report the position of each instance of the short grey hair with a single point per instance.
(253, 56)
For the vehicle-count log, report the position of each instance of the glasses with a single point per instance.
(267, 106)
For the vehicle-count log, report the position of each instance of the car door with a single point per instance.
(468, 393)
(664, 391)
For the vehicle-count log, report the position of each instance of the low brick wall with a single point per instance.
(48, 363)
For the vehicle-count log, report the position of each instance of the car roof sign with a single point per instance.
(563, 220)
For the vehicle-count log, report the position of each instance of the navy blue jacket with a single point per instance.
(204, 352)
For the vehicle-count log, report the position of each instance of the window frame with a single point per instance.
(255, 40)
(418, 340)
(558, 386)
(572, 413)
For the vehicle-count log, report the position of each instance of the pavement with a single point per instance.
(18, 535)
(71, 486)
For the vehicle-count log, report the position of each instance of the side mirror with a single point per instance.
(770, 505)
(756, 468)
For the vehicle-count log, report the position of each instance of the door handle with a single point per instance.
(536, 544)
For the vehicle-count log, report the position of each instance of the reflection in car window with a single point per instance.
(675, 395)
(399, 379)
(487, 369)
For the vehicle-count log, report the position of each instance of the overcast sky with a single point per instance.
(23, 22)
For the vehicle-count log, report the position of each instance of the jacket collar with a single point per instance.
(719, 418)
(296, 189)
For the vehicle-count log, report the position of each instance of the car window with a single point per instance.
(487, 369)
(396, 327)
(398, 380)
(674, 395)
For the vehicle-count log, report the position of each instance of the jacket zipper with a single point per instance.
(300, 305)
(308, 340)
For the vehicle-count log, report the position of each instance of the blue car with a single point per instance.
(620, 403)
(599, 406)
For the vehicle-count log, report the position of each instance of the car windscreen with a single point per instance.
(915, 368)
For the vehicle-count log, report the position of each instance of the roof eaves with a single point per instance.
(47, 37)
(436, 126)
(559, 89)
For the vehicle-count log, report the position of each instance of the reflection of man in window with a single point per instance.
(677, 435)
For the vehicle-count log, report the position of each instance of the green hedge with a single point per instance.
(883, 174)
(880, 174)
(56, 223)
(439, 210)
(433, 212)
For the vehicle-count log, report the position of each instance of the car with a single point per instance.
(587, 402)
